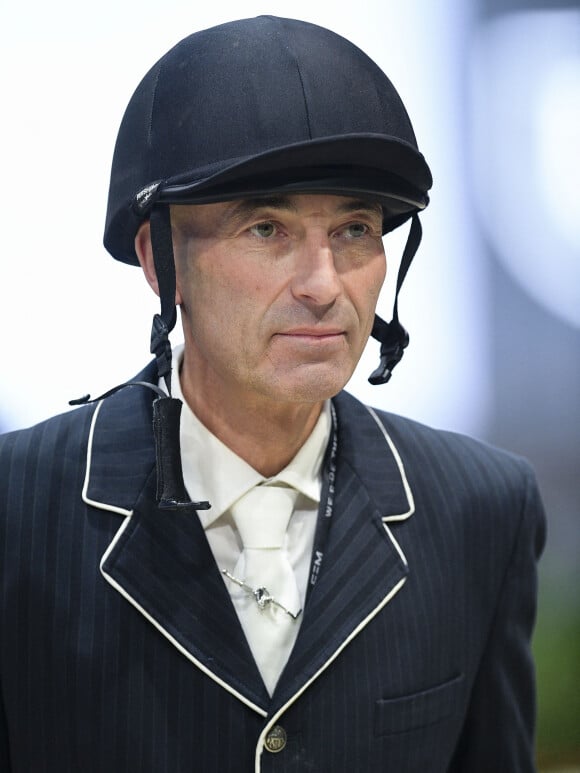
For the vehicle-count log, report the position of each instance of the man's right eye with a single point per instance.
(263, 230)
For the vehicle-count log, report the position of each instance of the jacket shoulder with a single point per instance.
(466, 473)
(62, 440)
(441, 443)
(28, 456)
(443, 467)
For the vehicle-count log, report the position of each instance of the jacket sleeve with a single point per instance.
(4, 751)
(499, 730)
(4, 748)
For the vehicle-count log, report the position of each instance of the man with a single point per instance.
(231, 564)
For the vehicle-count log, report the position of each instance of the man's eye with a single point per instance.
(357, 229)
(263, 230)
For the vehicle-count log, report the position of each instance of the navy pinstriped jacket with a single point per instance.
(120, 650)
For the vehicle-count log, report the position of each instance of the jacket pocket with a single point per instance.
(399, 715)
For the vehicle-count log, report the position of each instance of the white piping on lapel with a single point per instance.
(84, 495)
(399, 461)
(355, 632)
(166, 633)
(395, 544)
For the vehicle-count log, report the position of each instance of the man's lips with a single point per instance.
(313, 338)
(313, 333)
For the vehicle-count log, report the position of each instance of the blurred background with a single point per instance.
(492, 301)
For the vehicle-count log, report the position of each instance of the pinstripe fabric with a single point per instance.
(413, 654)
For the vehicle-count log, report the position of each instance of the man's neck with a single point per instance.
(267, 435)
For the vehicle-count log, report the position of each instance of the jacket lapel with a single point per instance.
(160, 561)
(362, 565)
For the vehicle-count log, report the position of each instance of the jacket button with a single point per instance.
(276, 739)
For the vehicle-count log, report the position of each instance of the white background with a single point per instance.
(75, 321)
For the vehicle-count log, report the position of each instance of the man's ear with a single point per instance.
(144, 251)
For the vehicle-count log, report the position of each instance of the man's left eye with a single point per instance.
(357, 229)
(263, 230)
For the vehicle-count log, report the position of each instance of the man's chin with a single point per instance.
(312, 383)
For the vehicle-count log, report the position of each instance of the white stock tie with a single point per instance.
(268, 601)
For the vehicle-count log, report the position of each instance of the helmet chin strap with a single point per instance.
(171, 491)
(163, 324)
(392, 335)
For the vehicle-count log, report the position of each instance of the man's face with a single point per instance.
(277, 294)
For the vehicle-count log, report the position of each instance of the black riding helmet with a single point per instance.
(255, 106)
(260, 106)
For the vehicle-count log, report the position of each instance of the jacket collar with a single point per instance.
(121, 449)
(161, 562)
(373, 457)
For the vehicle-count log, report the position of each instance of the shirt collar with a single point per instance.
(214, 472)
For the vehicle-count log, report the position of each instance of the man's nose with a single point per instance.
(316, 279)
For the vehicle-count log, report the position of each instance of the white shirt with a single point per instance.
(213, 472)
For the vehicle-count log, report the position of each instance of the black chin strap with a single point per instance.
(392, 335)
(171, 491)
(163, 324)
